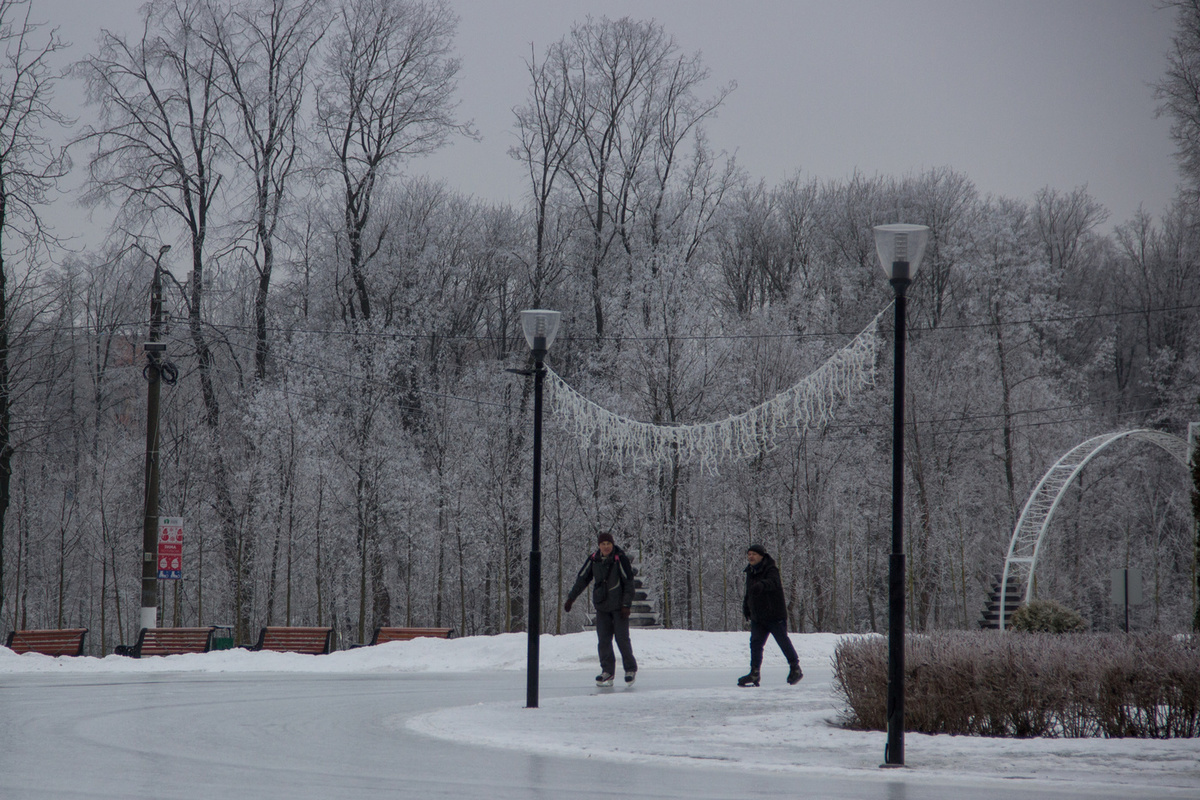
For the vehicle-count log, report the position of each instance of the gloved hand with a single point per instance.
(626, 611)
(567, 605)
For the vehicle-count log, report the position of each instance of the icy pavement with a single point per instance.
(446, 718)
(793, 730)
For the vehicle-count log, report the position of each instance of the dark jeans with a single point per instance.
(759, 631)
(609, 624)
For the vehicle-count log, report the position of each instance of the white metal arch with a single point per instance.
(1039, 508)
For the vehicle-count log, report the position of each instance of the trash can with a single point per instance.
(222, 638)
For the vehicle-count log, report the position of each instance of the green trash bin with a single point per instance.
(223, 638)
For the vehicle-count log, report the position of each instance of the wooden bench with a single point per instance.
(65, 642)
(383, 635)
(170, 642)
(314, 641)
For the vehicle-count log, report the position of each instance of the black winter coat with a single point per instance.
(764, 593)
(614, 580)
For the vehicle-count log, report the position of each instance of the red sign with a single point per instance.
(170, 548)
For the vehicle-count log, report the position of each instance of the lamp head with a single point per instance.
(900, 248)
(540, 327)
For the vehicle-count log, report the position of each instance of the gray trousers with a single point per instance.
(608, 625)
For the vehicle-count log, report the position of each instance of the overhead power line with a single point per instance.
(133, 330)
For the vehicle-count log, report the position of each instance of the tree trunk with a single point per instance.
(6, 447)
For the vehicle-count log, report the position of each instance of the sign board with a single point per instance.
(170, 548)
(1119, 584)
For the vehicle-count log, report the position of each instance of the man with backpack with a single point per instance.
(612, 597)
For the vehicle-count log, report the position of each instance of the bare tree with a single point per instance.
(158, 148)
(799, 272)
(29, 169)
(548, 136)
(747, 249)
(946, 201)
(618, 60)
(1155, 280)
(636, 102)
(1179, 90)
(264, 49)
(1063, 221)
(1004, 250)
(384, 96)
(159, 141)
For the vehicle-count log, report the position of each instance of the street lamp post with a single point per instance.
(900, 249)
(154, 351)
(540, 327)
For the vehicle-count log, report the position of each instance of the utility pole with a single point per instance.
(154, 352)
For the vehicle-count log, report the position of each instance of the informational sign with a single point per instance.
(1127, 590)
(1126, 587)
(170, 548)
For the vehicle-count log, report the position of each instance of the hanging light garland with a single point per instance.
(809, 402)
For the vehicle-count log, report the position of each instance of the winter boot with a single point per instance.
(750, 679)
(795, 674)
(630, 677)
(604, 679)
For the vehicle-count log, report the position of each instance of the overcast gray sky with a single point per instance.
(1015, 94)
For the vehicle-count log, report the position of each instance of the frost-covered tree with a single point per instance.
(159, 152)
(385, 93)
(265, 49)
(1178, 92)
(30, 168)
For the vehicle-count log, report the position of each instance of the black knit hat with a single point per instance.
(757, 548)
(605, 537)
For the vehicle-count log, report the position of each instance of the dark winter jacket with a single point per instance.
(614, 580)
(764, 592)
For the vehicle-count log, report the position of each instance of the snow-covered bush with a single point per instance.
(1023, 685)
(1047, 616)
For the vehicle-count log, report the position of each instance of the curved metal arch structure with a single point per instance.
(1039, 508)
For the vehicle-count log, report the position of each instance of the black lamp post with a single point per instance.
(540, 328)
(900, 248)
(154, 350)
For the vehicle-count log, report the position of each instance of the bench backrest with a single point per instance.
(65, 642)
(173, 641)
(383, 635)
(314, 641)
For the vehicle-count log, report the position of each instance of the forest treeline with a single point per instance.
(344, 439)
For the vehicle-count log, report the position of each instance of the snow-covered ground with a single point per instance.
(776, 727)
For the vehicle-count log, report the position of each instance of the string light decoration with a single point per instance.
(807, 403)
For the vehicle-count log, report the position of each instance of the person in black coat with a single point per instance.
(766, 609)
(612, 597)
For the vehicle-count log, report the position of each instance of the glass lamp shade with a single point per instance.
(901, 244)
(540, 328)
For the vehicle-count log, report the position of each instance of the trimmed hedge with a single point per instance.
(1047, 616)
(1022, 684)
